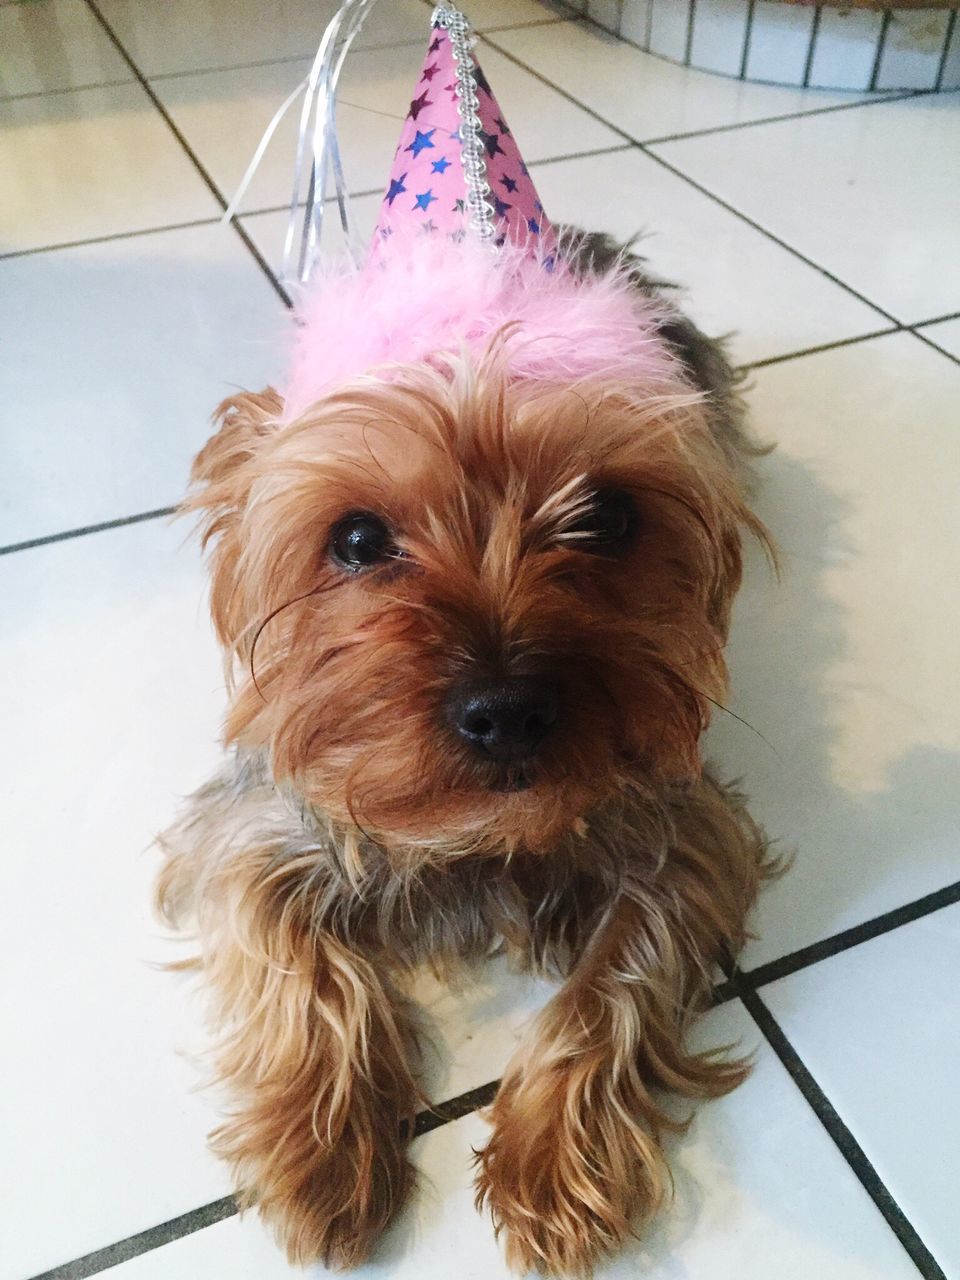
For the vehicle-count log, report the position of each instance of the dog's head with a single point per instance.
(464, 609)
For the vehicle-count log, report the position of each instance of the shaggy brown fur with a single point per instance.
(352, 835)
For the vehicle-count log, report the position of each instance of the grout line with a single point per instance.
(455, 1108)
(691, 23)
(812, 46)
(190, 153)
(724, 204)
(81, 532)
(785, 966)
(881, 46)
(747, 37)
(844, 1140)
(920, 324)
(947, 41)
(116, 235)
(91, 1264)
(70, 88)
(644, 149)
(285, 60)
(929, 342)
(583, 155)
(793, 115)
(823, 346)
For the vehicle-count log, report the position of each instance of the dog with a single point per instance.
(474, 625)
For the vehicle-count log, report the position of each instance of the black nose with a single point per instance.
(504, 719)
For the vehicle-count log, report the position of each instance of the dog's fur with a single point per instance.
(350, 837)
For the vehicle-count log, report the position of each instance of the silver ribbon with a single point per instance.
(318, 139)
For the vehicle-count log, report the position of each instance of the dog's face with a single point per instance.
(465, 611)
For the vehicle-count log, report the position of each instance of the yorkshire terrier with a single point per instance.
(475, 625)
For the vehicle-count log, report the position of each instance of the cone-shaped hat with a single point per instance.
(464, 256)
(458, 171)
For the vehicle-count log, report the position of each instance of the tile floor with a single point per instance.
(821, 231)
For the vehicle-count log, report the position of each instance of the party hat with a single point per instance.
(463, 254)
(458, 170)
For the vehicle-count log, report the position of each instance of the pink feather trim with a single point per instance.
(431, 297)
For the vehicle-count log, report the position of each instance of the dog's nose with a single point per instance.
(504, 719)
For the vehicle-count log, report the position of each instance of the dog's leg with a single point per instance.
(575, 1162)
(313, 1052)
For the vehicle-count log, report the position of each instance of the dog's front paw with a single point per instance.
(324, 1203)
(566, 1175)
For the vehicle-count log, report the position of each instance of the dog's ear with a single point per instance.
(222, 472)
(221, 478)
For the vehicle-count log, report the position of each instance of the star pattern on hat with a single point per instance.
(396, 188)
(421, 142)
(491, 144)
(418, 104)
(428, 165)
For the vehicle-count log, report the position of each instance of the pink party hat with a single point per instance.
(458, 170)
(463, 254)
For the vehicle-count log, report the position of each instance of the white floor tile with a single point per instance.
(195, 35)
(866, 194)
(642, 94)
(111, 691)
(486, 15)
(879, 1027)
(54, 44)
(93, 162)
(756, 1180)
(116, 354)
(847, 668)
(223, 115)
(737, 281)
(946, 334)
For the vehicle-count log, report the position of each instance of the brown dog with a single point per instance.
(473, 657)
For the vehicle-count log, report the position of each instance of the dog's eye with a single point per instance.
(361, 540)
(608, 524)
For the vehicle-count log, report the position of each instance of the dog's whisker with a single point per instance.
(267, 620)
(745, 723)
